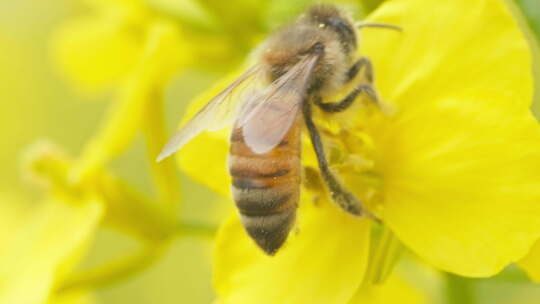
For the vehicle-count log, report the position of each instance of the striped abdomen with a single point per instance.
(266, 187)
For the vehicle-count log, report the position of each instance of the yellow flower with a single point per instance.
(452, 168)
(531, 263)
(459, 159)
(411, 282)
(141, 95)
(82, 194)
(40, 244)
(393, 291)
(101, 49)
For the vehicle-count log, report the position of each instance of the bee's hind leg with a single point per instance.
(345, 199)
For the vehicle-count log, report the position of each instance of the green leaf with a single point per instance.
(531, 9)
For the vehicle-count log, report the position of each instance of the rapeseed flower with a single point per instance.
(102, 48)
(451, 165)
(81, 194)
(531, 263)
(40, 245)
(48, 239)
(42, 242)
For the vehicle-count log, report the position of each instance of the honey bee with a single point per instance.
(298, 67)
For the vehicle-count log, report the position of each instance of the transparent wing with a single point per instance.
(219, 112)
(268, 115)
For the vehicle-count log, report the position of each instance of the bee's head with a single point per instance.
(330, 18)
(324, 30)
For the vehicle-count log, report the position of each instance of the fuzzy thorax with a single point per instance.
(324, 25)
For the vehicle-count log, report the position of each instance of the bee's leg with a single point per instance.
(334, 107)
(361, 64)
(346, 200)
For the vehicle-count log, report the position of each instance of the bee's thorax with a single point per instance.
(322, 25)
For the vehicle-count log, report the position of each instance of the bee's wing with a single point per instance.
(268, 115)
(216, 114)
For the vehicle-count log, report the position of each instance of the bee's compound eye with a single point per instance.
(317, 48)
(344, 30)
(338, 24)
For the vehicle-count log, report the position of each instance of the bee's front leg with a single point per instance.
(345, 103)
(345, 199)
(363, 64)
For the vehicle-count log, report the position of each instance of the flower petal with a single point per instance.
(460, 159)
(531, 263)
(469, 173)
(394, 290)
(322, 262)
(42, 246)
(205, 160)
(96, 52)
(161, 59)
(463, 48)
(410, 282)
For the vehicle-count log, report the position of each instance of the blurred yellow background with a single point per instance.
(39, 101)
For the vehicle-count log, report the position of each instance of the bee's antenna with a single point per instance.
(361, 24)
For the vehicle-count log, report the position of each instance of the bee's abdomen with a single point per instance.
(266, 189)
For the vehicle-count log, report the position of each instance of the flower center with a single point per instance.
(351, 153)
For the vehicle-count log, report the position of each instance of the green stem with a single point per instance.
(381, 263)
(459, 290)
(127, 267)
(384, 258)
(115, 271)
(163, 173)
(195, 229)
